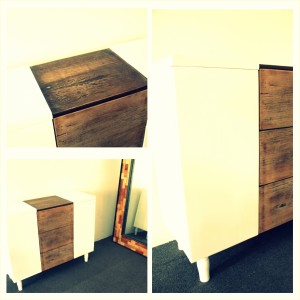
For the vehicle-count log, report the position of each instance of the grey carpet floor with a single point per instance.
(263, 264)
(111, 268)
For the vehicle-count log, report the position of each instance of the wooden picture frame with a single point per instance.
(123, 196)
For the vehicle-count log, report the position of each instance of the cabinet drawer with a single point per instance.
(57, 256)
(275, 204)
(56, 217)
(117, 123)
(276, 98)
(276, 155)
(56, 238)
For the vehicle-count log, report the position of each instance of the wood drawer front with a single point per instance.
(276, 155)
(276, 204)
(117, 123)
(276, 98)
(57, 256)
(56, 238)
(56, 217)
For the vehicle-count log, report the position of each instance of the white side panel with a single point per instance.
(84, 221)
(23, 241)
(29, 119)
(219, 143)
(165, 145)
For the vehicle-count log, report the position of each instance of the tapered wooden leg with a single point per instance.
(86, 257)
(19, 284)
(203, 269)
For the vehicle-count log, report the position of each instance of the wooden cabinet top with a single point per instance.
(82, 81)
(47, 202)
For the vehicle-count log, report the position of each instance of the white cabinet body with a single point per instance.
(23, 242)
(23, 235)
(84, 221)
(207, 168)
(219, 154)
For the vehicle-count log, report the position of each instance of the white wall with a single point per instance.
(37, 35)
(34, 178)
(228, 38)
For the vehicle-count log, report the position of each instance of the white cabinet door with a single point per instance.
(84, 221)
(219, 148)
(23, 241)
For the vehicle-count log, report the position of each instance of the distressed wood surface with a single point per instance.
(117, 123)
(84, 80)
(57, 256)
(276, 204)
(276, 98)
(56, 238)
(276, 155)
(53, 218)
(47, 202)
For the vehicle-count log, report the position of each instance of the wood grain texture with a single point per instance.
(276, 204)
(56, 238)
(117, 123)
(57, 256)
(53, 218)
(276, 98)
(276, 155)
(84, 80)
(47, 202)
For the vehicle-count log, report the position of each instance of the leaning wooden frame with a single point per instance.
(123, 196)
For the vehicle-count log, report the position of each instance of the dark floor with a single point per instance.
(111, 268)
(263, 264)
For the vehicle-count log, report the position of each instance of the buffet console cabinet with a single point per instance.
(46, 232)
(234, 158)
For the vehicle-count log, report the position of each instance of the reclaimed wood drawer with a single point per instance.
(56, 238)
(276, 204)
(56, 256)
(276, 98)
(96, 100)
(116, 123)
(53, 218)
(276, 155)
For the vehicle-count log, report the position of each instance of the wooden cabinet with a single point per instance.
(59, 229)
(96, 99)
(276, 146)
(55, 228)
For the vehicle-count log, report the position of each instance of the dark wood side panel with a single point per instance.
(117, 123)
(276, 98)
(276, 155)
(56, 238)
(53, 218)
(47, 202)
(57, 256)
(275, 204)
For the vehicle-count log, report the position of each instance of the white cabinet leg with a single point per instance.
(179, 245)
(135, 231)
(19, 284)
(203, 269)
(86, 257)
